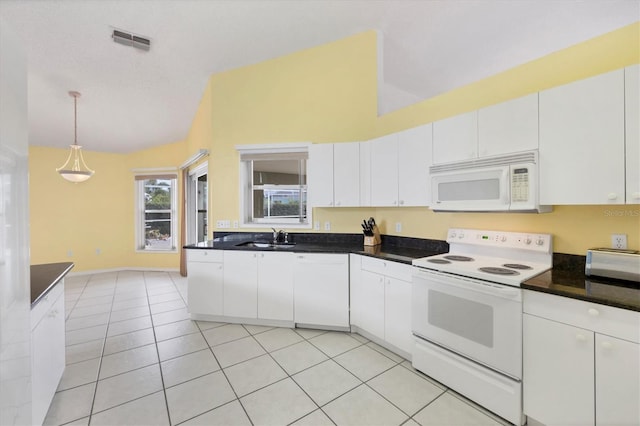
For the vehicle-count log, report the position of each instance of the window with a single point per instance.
(274, 185)
(156, 218)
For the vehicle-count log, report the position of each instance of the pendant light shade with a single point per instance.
(75, 169)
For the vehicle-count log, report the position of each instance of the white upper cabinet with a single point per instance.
(414, 159)
(508, 127)
(365, 173)
(632, 132)
(334, 174)
(582, 158)
(346, 174)
(320, 175)
(455, 138)
(384, 171)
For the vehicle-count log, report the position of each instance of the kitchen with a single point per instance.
(277, 118)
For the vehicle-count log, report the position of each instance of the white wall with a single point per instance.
(15, 299)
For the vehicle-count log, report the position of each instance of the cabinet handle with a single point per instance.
(612, 196)
(205, 253)
(581, 337)
(607, 345)
(401, 202)
(593, 312)
(394, 202)
(337, 203)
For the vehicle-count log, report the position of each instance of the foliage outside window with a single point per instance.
(274, 188)
(156, 219)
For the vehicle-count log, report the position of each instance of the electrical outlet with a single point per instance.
(235, 223)
(619, 241)
(227, 224)
(69, 253)
(327, 226)
(219, 224)
(398, 226)
(316, 225)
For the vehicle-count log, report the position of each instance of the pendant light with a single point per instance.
(75, 169)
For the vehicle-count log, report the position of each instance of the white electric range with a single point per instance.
(467, 314)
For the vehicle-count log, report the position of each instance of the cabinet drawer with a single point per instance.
(616, 322)
(204, 255)
(391, 269)
(46, 303)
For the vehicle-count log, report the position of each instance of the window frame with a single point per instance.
(285, 151)
(140, 211)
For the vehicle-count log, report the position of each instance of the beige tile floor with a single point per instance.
(135, 358)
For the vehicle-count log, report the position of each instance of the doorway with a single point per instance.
(197, 204)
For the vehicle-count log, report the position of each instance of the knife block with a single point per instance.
(373, 240)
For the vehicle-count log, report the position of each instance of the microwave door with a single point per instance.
(472, 190)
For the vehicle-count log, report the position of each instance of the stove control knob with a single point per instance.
(527, 240)
(503, 238)
(453, 234)
(461, 236)
(540, 241)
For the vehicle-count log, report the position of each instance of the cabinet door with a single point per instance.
(320, 175)
(582, 142)
(365, 174)
(321, 289)
(397, 314)
(558, 379)
(617, 381)
(414, 159)
(240, 284)
(372, 304)
(632, 132)
(508, 127)
(455, 138)
(275, 286)
(48, 359)
(355, 289)
(384, 171)
(205, 282)
(346, 174)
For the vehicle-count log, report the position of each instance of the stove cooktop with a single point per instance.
(500, 257)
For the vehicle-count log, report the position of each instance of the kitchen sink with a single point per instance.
(266, 244)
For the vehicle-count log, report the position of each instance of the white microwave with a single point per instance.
(492, 184)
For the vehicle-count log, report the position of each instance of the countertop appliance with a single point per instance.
(501, 183)
(613, 263)
(467, 314)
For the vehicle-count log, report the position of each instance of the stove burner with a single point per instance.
(457, 258)
(498, 271)
(517, 266)
(439, 261)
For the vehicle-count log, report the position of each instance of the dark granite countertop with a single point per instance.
(397, 249)
(44, 277)
(567, 279)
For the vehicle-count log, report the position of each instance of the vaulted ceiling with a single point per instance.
(132, 99)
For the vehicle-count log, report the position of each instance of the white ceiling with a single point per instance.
(133, 99)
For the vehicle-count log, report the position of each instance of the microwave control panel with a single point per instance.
(520, 185)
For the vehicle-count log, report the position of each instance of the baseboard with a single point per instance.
(132, 268)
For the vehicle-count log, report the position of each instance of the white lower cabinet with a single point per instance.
(617, 381)
(382, 300)
(321, 289)
(275, 286)
(240, 284)
(581, 362)
(47, 350)
(205, 281)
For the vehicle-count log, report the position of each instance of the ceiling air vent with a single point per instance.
(131, 40)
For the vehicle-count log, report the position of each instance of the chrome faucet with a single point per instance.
(275, 236)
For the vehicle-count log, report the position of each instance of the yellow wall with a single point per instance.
(324, 94)
(328, 94)
(94, 215)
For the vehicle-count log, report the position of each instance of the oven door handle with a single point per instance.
(470, 284)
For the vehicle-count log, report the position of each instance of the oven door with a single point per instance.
(485, 189)
(479, 320)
